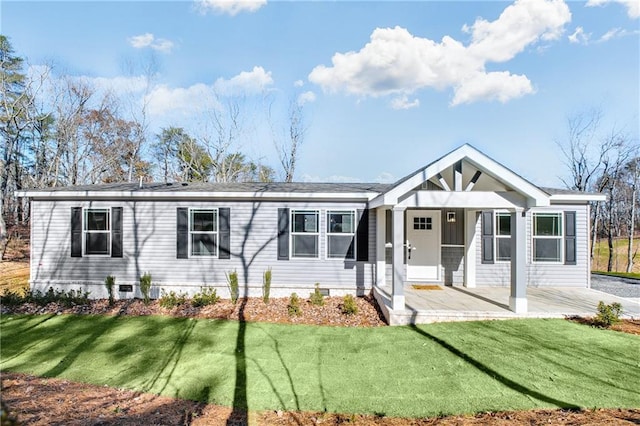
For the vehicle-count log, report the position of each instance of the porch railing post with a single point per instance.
(518, 296)
(398, 259)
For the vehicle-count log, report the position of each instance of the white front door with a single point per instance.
(423, 245)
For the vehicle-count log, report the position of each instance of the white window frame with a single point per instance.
(85, 231)
(341, 234)
(559, 237)
(496, 236)
(292, 233)
(215, 232)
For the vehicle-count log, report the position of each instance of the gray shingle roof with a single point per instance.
(561, 191)
(250, 187)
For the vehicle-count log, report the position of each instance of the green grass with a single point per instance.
(396, 371)
(620, 274)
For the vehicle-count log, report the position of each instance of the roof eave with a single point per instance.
(38, 194)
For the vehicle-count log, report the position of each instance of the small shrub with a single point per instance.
(316, 298)
(171, 299)
(266, 285)
(294, 306)
(145, 286)
(11, 298)
(234, 289)
(608, 314)
(349, 306)
(110, 283)
(73, 298)
(208, 296)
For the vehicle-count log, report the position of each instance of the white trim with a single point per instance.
(216, 232)
(534, 195)
(328, 234)
(477, 200)
(518, 304)
(547, 237)
(381, 250)
(572, 198)
(496, 236)
(85, 231)
(318, 213)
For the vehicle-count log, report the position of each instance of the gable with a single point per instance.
(464, 170)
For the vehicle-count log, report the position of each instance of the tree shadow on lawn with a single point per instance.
(495, 374)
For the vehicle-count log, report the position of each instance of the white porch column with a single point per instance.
(518, 297)
(471, 220)
(381, 267)
(397, 301)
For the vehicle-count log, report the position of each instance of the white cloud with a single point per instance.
(395, 62)
(247, 82)
(500, 85)
(332, 178)
(385, 177)
(633, 6)
(148, 40)
(198, 97)
(230, 7)
(617, 33)
(579, 36)
(298, 83)
(142, 40)
(402, 102)
(306, 97)
(164, 99)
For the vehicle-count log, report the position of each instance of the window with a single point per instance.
(341, 231)
(97, 232)
(304, 233)
(503, 236)
(203, 230)
(422, 223)
(547, 237)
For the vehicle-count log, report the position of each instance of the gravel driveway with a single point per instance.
(621, 287)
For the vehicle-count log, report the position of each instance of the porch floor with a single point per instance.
(466, 304)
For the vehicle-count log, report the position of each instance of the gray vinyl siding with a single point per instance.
(149, 245)
(542, 274)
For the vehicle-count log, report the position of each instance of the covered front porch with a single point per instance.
(441, 303)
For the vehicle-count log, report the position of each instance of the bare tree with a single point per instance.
(632, 175)
(590, 158)
(288, 145)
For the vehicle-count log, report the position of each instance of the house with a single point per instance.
(462, 220)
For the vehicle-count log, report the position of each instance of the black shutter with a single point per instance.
(283, 234)
(182, 241)
(487, 237)
(569, 238)
(116, 232)
(224, 233)
(362, 236)
(76, 231)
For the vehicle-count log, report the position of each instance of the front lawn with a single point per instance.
(395, 371)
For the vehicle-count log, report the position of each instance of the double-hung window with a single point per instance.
(305, 233)
(503, 236)
(341, 233)
(203, 230)
(97, 232)
(547, 237)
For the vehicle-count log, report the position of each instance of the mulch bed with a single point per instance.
(47, 401)
(250, 309)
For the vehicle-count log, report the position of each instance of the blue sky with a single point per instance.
(386, 87)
